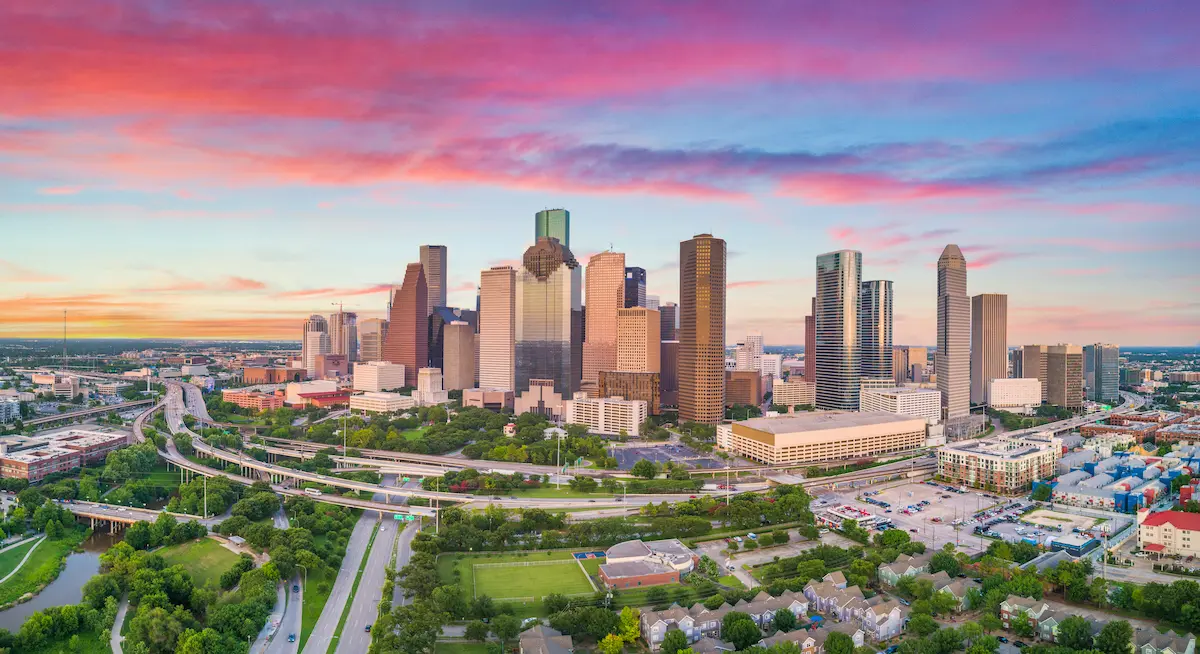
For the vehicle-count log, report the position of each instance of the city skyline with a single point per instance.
(1023, 144)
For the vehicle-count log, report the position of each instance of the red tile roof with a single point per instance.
(1177, 519)
(1153, 547)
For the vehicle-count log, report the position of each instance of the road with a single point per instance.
(364, 607)
(322, 634)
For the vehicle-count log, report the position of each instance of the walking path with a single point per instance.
(115, 638)
(22, 563)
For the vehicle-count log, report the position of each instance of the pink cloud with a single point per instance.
(856, 188)
(60, 190)
(335, 292)
(244, 284)
(11, 272)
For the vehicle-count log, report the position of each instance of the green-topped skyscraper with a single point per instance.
(554, 223)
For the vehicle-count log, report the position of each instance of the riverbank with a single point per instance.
(43, 566)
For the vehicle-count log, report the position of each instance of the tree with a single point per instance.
(674, 641)
(656, 595)
(945, 561)
(506, 627)
(645, 469)
(1075, 633)
(1041, 493)
(1115, 638)
(1021, 627)
(555, 602)
(990, 623)
(943, 603)
(630, 624)
(740, 629)
(785, 620)
(413, 628)
(921, 624)
(971, 631)
(839, 643)
(611, 644)
(476, 630)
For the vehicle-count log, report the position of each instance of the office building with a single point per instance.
(1033, 366)
(743, 387)
(701, 360)
(875, 328)
(635, 287)
(549, 320)
(316, 341)
(458, 372)
(553, 223)
(925, 403)
(1015, 394)
(408, 326)
(1064, 376)
(1169, 533)
(754, 347)
(644, 386)
(771, 365)
(434, 265)
(608, 416)
(669, 372)
(904, 358)
(668, 313)
(1102, 372)
(989, 342)
(429, 388)
(59, 452)
(1003, 465)
(952, 362)
(372, 334)
(332, 366)
(794, 392)
(652, 302)
(438, 320)
(838, 359)
(814, 437)
(10, 409)
(343, 335)
(540, 398)
(1014, 362)
(253, 400)
(638, 340)
(254, 375)
(378, 376)
(810, 344)
(381, 402)
(606, 284)
(498, 328)
(490, 399)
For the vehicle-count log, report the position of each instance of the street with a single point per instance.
(322, 634)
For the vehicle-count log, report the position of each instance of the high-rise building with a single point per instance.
(316, 341)
(904, 357)
(408, 328)
(458, 370)
(553, 223)
(771, 365)
(952, 362)
(1103, 380)
(669, 372)
(605, 281)
(667, 314)
(989, 343)
(1064, 376)
(644, 386)
(635, 287)
(702, 330)
(1033, 366)
(638, 340)
(434, 264)
(743, 357)
(343, 335)
(549, 325)
(498, 328)
(810, 344)
(838, 359)
(438, 320)
(754, 343)
(875, 328)
(652, 302)
(1014, 363)
(373, 334)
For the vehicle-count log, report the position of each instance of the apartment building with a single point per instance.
(606, 415)
(1004, 465)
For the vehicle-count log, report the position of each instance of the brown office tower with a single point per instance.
(458, 357)
(645, 386)
(702, 330)
(1033, 366)
(1064, 376)
(989, 343)
(408, 329)
(810, 344)
(669, 372)
(638, 340)
(604, 297)
(667, 315)
(743, 387)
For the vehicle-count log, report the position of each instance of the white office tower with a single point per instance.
(316, 341)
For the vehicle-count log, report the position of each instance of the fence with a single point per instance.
(519, 564)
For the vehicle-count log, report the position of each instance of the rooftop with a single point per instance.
(1009, 448)
(817, 421)
(904, 390)
(1177, 519)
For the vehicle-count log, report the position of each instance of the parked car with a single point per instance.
(1002, 639)
(1019, 644)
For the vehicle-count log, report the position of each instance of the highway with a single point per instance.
(364, 607)
(86, 413)
(322, 634)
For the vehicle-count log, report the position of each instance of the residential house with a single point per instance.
(851, 629)
(1015, 608)
(655, 625)
(698, 623)
(883, 619)
(711, 646)
(764, 607)
(1148, 641)
(1047, 627)
(903, 566)
(544, 640)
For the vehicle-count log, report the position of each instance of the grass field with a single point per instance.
(516, 581)
(413, 434)
(205, 559)
(42, 567)
(314, 602)
(88, 642)
(460, 648)
(731, 581)
(11, 558)
(592, 566)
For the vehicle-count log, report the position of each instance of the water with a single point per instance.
(68, 588)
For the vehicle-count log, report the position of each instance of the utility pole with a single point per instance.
(206, 497)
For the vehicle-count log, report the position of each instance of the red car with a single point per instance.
(692, 497)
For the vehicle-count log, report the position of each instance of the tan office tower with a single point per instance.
(605, 296)
(458, 356)
(810, 344)
(702, 330)
(1033, 366)
(316, 341)
(638, 340)
(408, 329)
(904, 357)
(952, 363)
(498, 328)
(372, 334)
(343, 334)
(989, 342)
(434, 263)
(1064, 376)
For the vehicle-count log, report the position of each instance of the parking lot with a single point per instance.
(627, 456)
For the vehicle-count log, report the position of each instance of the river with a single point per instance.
(68, 588)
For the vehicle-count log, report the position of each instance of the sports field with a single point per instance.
(515, 576)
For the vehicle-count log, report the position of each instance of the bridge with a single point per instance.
(118, 517)
(85, 413)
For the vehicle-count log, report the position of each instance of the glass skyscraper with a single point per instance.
(875, 329)
(549, 338)
(838, 358)
(952, 362)
(553, 223)
(1102, 372)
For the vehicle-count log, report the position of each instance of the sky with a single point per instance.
(223, 169)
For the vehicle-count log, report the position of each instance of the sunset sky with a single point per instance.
(223, 169)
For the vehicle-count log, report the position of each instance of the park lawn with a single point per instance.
(592, 566)
(43, 566)
(205, 559)
(638, 597)
(731, 581)
(11, 558)
(460, 648)
(413, 434)
(517, 581)
(314, 602)
(160, 476)
(90, 642)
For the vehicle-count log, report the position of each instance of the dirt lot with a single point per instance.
(1064, 521)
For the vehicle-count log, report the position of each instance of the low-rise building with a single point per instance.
(635, 564)
(1169, 533)
(255, 375)
(189, 370)
(381, 402)
(1014, 609)
(822, 436)
(111, 387)
(1149, 641)
(644, 386)
(540, 398)
(903, 566)
(1015, 394)
(743, 387)
(429, 388)
(606, 415)
(925, 403)
(253, 399)
(1004, 465)
(794, 392)
(10, 409)
(492, 399)
(58, 452)
(378, 376)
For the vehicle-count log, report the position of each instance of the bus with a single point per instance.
(313, 491)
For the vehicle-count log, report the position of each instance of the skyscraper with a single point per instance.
(373, 334)
(408, 327)
(635, 287)
(838, 360)
(810, 344)
(875, 328)
(952, 363)
(553, 223)
(1103, 382)
(754, 343)
(1033, 366)
(343, 335)
(606, 286)
(1064, 376)
(702, 330)
(316, 341)
(989, 343)
(652, 302)
(549, 321)
(434, 263)
(667, 314)
(438, 320)
(638, 340)
(458, 369)
(498, 328)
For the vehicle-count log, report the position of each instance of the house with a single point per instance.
(544, 640)
(1015, 608)
(764, 607)
(698, 622)
(655, 625)
(711, 646)
(903, 566)
(830, 596)
(958, 588)
(1148, 641)
(849, 628)
(883, 620)
(1047, 626)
